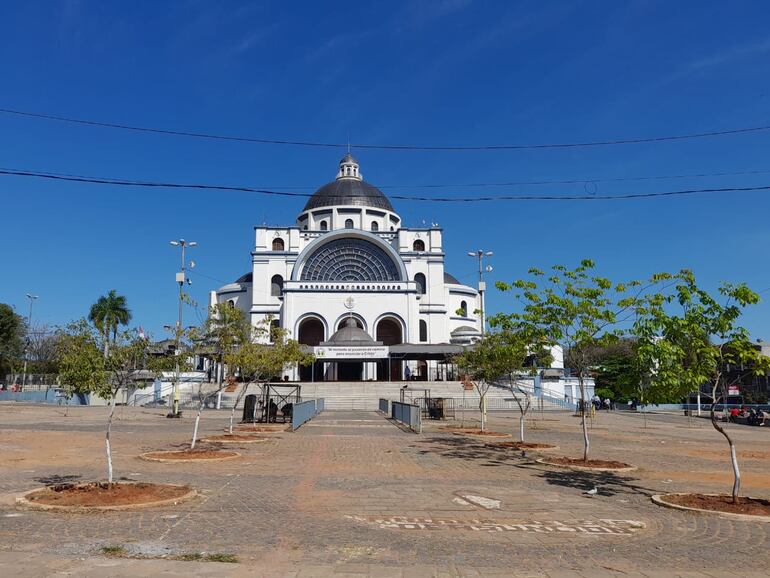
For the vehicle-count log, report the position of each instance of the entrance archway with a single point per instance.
(311, 332)
(389, 333)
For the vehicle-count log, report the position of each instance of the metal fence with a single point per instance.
(384, 406)
(407, 414)
(304, 411)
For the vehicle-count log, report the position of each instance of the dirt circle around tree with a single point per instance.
(182, 456)
(587, 466)
(101, 496)
(260, 429)
(747, 508)
(238, 438)
(525, 446)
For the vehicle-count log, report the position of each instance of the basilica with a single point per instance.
(368, 295)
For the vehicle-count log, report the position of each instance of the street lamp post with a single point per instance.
(26, 345)
(479, 254)
(180, 279)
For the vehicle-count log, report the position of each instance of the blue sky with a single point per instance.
(448, 72)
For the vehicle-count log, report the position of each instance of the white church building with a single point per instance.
(370, 296)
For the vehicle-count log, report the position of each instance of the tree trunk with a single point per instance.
(197, 422)
(237, 401)
(107, 437)
(586, 442)
(521, 428)
(482, 407)
(733, 457)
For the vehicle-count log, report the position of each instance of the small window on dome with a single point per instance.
(324, 226)
(418, 245)
(348, 223)
(375, 226)
(278, 244)
(423, 331)
(463, 309)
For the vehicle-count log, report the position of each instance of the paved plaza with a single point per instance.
(352, 494)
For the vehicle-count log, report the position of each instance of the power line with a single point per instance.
(124, 182)
(212, 136)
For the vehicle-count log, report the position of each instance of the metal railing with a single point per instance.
(304, 411)
(407, 414)
(384, 406)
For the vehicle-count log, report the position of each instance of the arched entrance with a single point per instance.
(389, 333)
(311, 332)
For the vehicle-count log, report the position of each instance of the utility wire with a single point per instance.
(123, 182)
(211, 136)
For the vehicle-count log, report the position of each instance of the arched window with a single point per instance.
(418, 245)
(348, 223)
(231, 304)
(423, 330)
(324, 226)
(276, 286)
(375, 226)
(463, 308)
(278, 244)
(274, 324)
(420, 280)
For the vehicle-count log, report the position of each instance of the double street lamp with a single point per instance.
(480, 254)
(180, 279)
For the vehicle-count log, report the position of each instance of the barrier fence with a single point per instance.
(304, 411)
(407, 414)
(384, 406)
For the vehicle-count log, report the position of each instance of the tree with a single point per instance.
(259, 362)
(535, 356)
(575, 309)
(225, 329)
(690, 338)
(107, 314)
(493, 357)
(11, 338)
(85, 369)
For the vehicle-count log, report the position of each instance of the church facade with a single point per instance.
(368, 294)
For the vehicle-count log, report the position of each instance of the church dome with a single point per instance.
(351, 334)
(349, 189)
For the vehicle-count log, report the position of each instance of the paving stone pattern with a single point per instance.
(352, 493)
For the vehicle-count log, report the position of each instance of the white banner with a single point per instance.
(352, 352)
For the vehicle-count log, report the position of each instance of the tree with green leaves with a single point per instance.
(574, 309)
(107, 314)
(12, 330)
(690, 338)
(85, 369)
(258, 361)
(224, 331)
(491, 359)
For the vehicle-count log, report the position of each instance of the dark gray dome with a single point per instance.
(349, 191)
(449, 278)
(245, 278)
(351, 333)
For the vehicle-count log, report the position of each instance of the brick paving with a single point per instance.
(352, 494)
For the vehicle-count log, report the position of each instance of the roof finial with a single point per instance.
(348, 142)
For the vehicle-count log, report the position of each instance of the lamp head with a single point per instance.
(175, 243)
(192, 243)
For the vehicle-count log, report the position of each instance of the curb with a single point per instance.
(658, 499)
(548, 449)
(146, 457)
(584, 468)
(24, 502)
(253, 440)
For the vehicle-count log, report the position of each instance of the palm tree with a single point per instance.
(107, 313)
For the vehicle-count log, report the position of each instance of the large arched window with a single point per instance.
(276, 286)
(423, 330)
(418, 245)
(278, 244)
(349, 259)
(324, 226)
(419, 279)
(463, 309)
(375, 226)
(348, 223)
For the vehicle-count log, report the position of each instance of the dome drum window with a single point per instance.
(278, 244)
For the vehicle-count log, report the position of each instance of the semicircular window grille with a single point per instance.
(350, 259)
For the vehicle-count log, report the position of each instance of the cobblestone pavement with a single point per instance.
(352, 493)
